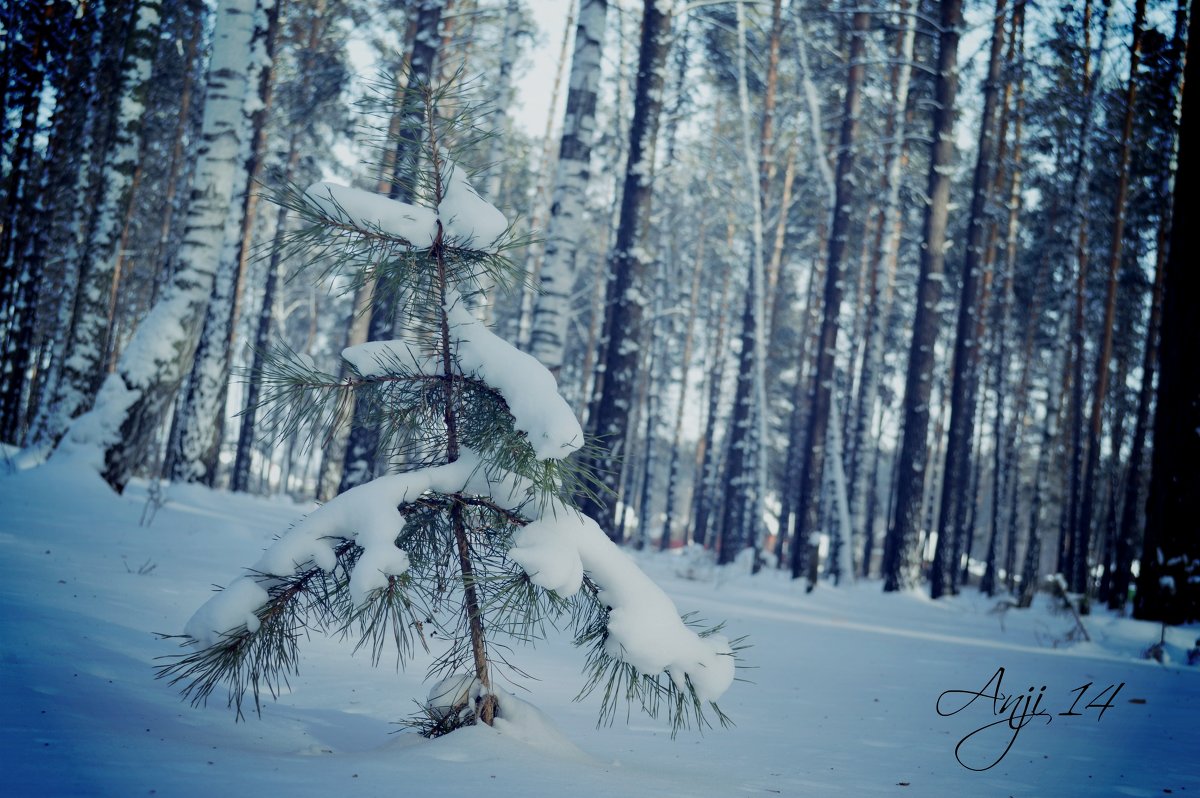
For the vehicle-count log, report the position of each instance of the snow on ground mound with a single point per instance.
(842, 700)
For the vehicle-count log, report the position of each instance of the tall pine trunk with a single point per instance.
(743, 483)
(1126, 543)
(1168, 588)
(240, 478)
(1073, 543)
(955, 492)
(885, 259)
(812, 465)
(1105, 350)
(362, 448)
(622, 334)
(900, 554)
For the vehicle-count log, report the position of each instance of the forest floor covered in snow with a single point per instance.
(841, 690)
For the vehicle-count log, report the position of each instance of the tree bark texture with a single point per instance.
(1169, 581)
(630, 265)
(116, 435)
(568, 204)
(952, 521)
(900, 554)
(812, 463)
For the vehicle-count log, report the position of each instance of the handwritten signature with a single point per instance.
(1015, 711)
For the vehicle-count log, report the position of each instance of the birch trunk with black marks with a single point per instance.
(568, 205)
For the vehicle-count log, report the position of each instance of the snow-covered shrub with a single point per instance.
(473, 539)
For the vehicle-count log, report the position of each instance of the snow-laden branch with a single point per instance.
(367, 515)
(644, 626)
(555, 548)
(468, 221)
(528, 388)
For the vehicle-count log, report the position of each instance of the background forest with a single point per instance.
(860, 290)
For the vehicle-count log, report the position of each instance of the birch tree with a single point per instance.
(115, 436)
(568, 205)
(203, 409)
(87, 343)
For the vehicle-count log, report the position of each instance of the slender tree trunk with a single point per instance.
(64, 184)
(1010, 463)
(1073, 547)
(743, 484)
(886, 256)
(652, 409)
(569, 203)
(175, 171)
(1168, 589)
(1126, 534)
(812, 465)
(797, 418)
(84, 366)
(539, 208)
(955, 482)
(22, 206)
(707, 453)
(681, 405)
(899, 560)
(362, 448)
(1051, 431)
(623, 332)
(203, 420)
(1104, 354)
(240, 477)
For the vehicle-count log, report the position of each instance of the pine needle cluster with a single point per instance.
(461, 597)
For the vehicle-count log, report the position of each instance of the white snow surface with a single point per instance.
(376, 358)
(469, 220)
(840, 701)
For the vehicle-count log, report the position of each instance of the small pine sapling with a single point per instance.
(474, 540)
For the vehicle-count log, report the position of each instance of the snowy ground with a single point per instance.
(840, 700)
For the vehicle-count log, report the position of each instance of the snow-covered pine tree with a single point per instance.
(476, 541)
